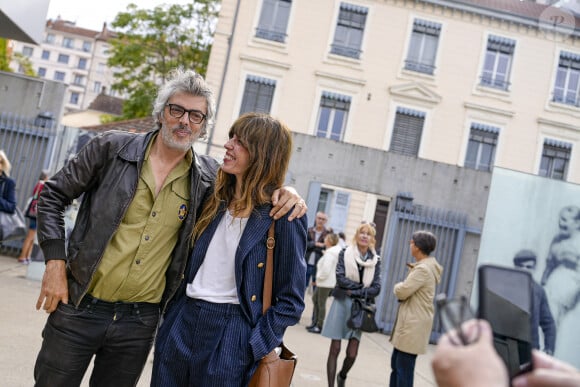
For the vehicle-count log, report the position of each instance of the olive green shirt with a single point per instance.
(135, 260)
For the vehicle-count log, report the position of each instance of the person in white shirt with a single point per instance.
(325, 280)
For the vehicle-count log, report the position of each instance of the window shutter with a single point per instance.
(258, 95)
(407, 132)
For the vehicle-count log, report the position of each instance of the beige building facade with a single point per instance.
(473, 84)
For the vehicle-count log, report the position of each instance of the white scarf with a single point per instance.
(352, 260)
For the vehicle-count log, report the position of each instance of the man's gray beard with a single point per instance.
(169, 141)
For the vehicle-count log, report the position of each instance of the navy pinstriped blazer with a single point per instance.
(289, 275)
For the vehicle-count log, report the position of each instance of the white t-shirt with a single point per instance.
(215, 280)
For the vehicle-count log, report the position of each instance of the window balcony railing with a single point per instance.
(419, 67)
(495, 83)
(271, 35)
(569, 100)
(345, 51)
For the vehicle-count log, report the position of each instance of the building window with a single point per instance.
(566, 89)
(45, 54)
(68, 42)
(481, 147)
(62, 58)
(423, 46)
(87, 46)
(555, 159)
(258, 95)
(274, 20)
(97, 87)
(324, 200)
(59, 76)
(74, 98)
(79, 80)
(27, 51)
(49, 38)
(332, 116)
(498, 62)
(349, 30)
(41, 72)
(101, 68)
(82, 63)
(407, 132)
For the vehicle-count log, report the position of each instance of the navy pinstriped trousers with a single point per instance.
(203, 344)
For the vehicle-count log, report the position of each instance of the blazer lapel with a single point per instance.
(255, 230)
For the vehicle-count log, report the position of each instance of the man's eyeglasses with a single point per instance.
(453, 312)
(195, 116)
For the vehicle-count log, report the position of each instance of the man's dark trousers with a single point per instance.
(120, 335)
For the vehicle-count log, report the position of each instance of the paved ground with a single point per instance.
(21, 325)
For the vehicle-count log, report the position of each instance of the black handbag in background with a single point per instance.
(362, 315)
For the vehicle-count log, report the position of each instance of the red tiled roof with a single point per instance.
(107, 104)
(138, 125)
(71, 28)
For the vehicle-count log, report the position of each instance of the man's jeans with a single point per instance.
(120, 336)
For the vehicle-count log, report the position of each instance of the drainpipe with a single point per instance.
(223, 81)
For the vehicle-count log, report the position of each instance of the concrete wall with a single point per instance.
(28, 96)
(384, 174)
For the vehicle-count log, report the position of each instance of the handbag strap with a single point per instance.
(269, 275)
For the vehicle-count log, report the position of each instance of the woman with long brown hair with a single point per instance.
(215, 333)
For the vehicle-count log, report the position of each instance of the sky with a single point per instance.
(92, 14)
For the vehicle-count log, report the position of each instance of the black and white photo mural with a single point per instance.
(533, 222)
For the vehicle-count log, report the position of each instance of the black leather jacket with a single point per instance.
(107, 171)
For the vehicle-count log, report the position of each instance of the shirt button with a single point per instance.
(146, 237)
(261, 265)
(138, 262)
(154, 214)
(253, 298)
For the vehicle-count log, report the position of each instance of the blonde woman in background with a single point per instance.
(358, 274)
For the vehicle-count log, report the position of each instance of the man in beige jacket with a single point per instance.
(414, 320)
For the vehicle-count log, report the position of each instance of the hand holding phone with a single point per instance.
(505, 301)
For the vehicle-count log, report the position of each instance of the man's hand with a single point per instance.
(283, 200)
(548, 372)
(54, 286)
(476, 364)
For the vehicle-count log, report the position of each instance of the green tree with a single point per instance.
(149, 43)
(25, 63)
(4, 56)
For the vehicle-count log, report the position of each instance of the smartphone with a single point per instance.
(505, 300)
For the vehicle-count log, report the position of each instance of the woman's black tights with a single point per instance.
(351, 353)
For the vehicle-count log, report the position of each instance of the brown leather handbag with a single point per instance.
(274, 370)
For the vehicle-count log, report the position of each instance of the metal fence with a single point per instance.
(33, 145)
(449, 228)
